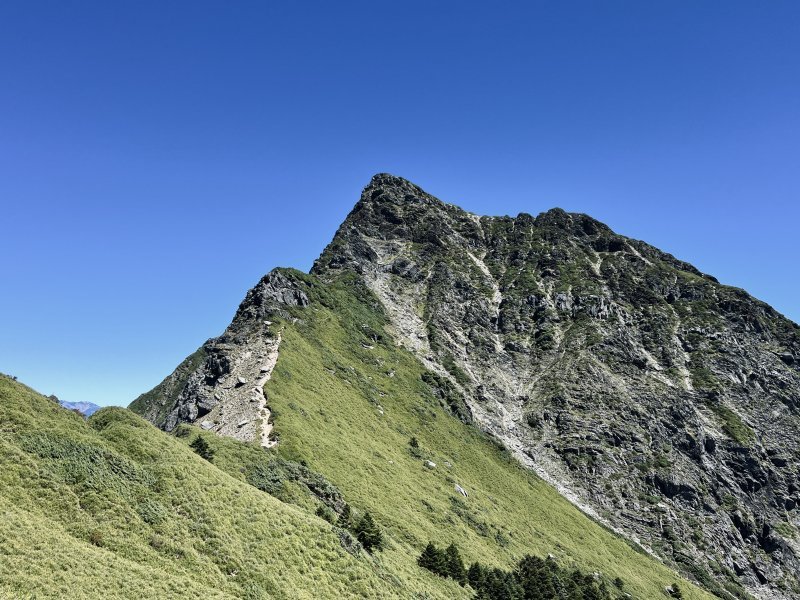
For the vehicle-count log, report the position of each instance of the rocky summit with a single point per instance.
(660, 402)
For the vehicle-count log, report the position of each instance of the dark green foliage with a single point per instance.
(274, 475)
(541, 575)
(448, 395)
(732, 424)
(79, 461)
(730, 590)
(476, 575)
(202, 448)
(456, 371)
(368, 533)
(432, 558)
(454, 565)
(533, 578)
(345, 517)
(500, 585)
(326, 513)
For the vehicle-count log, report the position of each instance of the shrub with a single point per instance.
(326, 513)
(202, 448)
(675, 591)
(345, 517)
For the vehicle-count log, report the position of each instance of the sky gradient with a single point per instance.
(157, 158)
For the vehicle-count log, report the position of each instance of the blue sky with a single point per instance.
(156, 158)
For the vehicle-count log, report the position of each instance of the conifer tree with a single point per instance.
(432, 559)
(476, 575)
(368, 534)
(454, 566)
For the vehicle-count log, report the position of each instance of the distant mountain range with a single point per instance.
(85, 408)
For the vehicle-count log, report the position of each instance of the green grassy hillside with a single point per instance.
(347, 402)
(114, 508)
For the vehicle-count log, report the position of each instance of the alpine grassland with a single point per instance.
(347, 401)
(112, 507)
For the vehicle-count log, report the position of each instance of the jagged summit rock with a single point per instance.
(386, 185)
(274, 289)
(659, 401)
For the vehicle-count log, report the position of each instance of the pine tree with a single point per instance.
(432, 559)
(476, 576)
(201, 447)
(501, 585)
(454, 566)
(536, 576)
(368, 534)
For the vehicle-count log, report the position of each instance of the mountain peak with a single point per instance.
(385, 187)
(389, 180)
(612, 369)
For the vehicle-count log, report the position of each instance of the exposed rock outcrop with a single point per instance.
(221, 386)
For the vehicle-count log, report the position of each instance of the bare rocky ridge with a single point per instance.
(653, 397)
(221, 386)
(658, 400)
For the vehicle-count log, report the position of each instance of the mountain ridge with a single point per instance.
(640, 387)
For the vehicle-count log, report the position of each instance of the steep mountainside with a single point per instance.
(114, 508)
(656, 399)
(365, 414)
(654, 396)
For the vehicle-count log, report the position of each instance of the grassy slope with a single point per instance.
(114, 508)
(327, 393)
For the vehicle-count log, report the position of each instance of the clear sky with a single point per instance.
(156, 158)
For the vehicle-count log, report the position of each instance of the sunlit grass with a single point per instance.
(338, 408)
(115, 508)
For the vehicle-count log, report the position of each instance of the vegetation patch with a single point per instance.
(732, 424)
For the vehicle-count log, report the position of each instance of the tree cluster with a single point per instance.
(444, 562)
(533, 578)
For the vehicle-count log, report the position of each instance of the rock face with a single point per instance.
(658, 400)
(221, 386)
